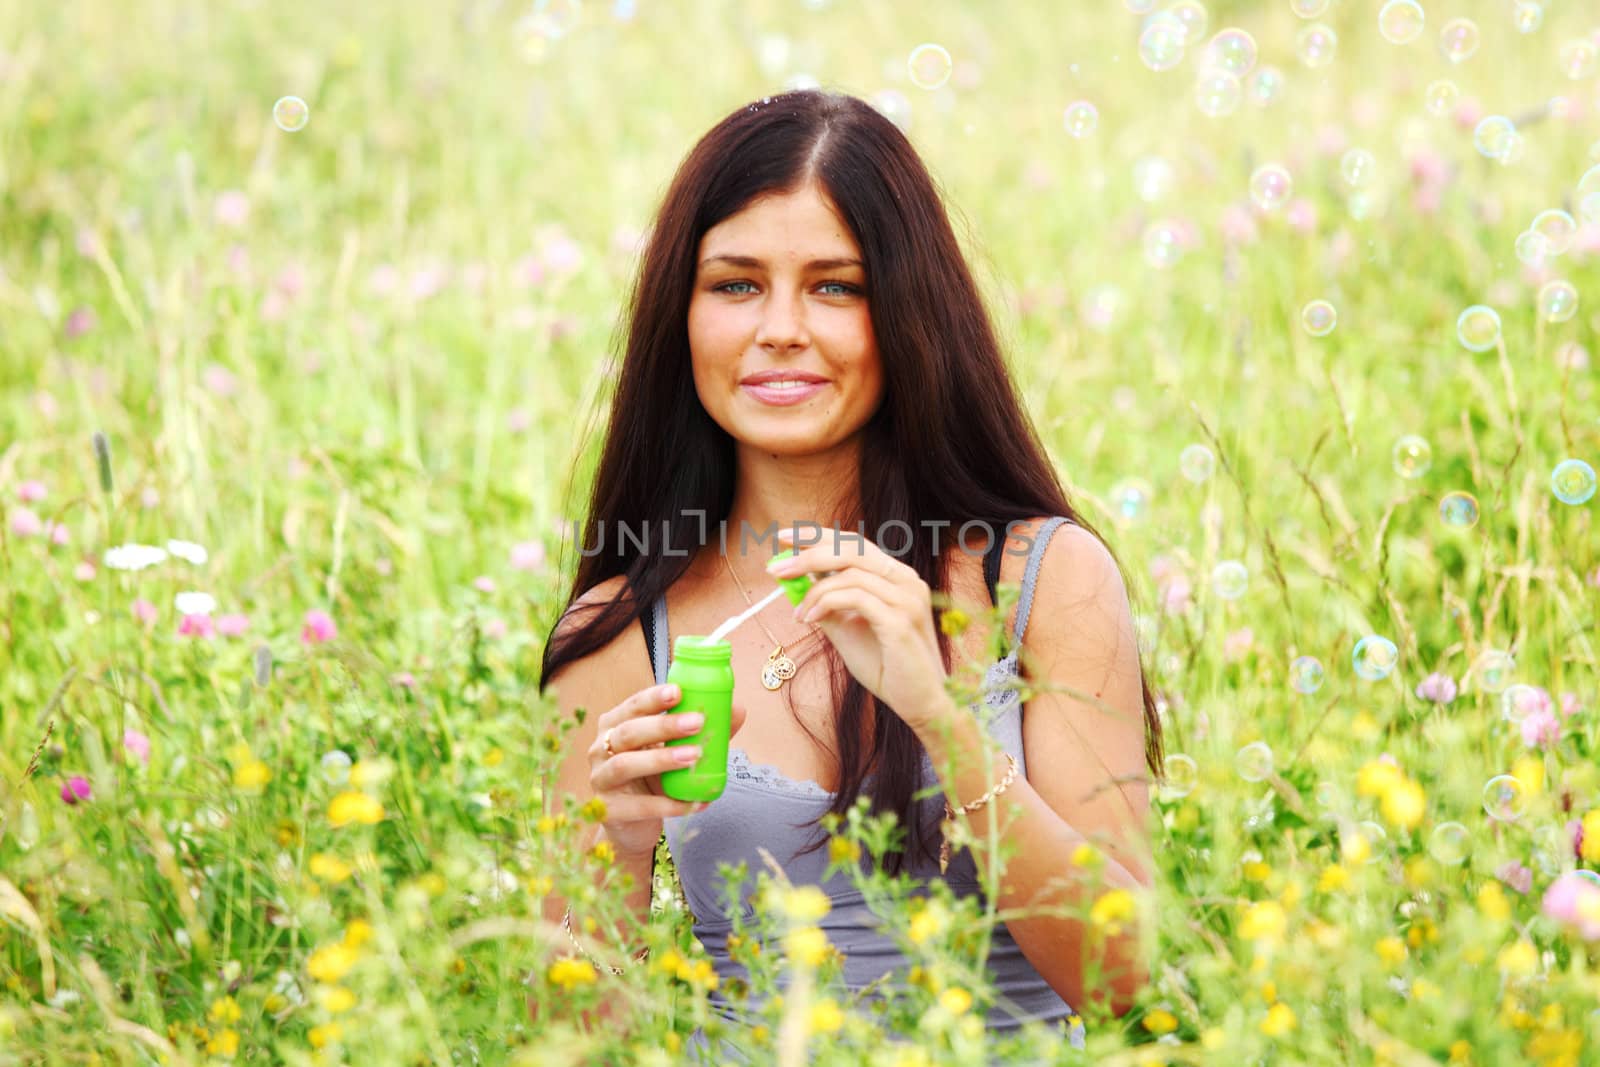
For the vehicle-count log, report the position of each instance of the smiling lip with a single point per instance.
(780, 395)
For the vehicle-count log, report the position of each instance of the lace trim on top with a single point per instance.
(999, 693)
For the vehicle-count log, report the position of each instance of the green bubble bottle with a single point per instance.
(703, 673)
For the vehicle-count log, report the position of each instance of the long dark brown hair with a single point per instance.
(950, 440)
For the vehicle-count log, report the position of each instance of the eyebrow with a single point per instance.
(752, 261)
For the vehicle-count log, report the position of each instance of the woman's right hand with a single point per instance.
(629, 782)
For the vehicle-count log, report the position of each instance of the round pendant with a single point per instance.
(769, 677)
(783, 667)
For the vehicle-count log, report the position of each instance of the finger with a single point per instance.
(632, 807)
(880, 616)
(651, 701)
(649, 730)
(737, 720)
(617, 771)
(897, 597)
(851, 552)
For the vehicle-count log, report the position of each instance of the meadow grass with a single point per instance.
(364, 364)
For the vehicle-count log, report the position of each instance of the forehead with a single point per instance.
(802, 224)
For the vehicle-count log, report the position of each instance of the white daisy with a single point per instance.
(193, 603)
(188, 550)
(133, 557)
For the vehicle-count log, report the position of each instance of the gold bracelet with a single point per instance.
(566, 924)
(948, 826)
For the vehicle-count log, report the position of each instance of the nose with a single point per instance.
(782, 323)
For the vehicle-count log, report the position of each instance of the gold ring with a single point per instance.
(610, 752)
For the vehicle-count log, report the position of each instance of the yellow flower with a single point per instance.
(843, 850)
(1257, 871)
(1493, 903)
(357, 933)
(826, 1018)
(369, 773)
(1213, 1038)
(1354, 847)
(593, 810)
(494, 757)
(1422, 989)
(570, 973)
(807, 945)
(1364, 726)
(955, 1001)
(805, 904)
(1519, 958)
(251, 776)
(331, 962)
(1591, 836)
(1111, 910)
(329, 868)
(703, 975)
(321, 1035)
(225, 1043)
(953, 622)
(1529, 771)
(1419, 872)
(1377, 778)
(1461, 1052)
(352, 807)
(1404, 804)
(224, 1010)
(1392, 950)
(1333, 877)
(1087, 857)
(931, 921)
(1264, 921)
(603, 851)
(1279, 1020)
(335, 999)
(1160, 1022)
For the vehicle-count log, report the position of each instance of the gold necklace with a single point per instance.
(779, 667)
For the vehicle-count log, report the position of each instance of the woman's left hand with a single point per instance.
(878, 612)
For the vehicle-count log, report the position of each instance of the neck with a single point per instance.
(776, 492)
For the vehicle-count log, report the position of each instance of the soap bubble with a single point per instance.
(291, 114)
(1494, 136)
(1197, 463)
(1232, 50)
(1265, 86)
(1504, 798)
(1080, 118)
(1459, 509)
(1316, 45)
(1587, 195)
(1557, 228)
(1182, 775)
(1532, 248)
(1306, 674)
(1588, 876)
(1558, 300)
(1309, 9)
(1573, 482)
(1412, 456)
(1131, 498)
(929, 66)
(1270, 186)
(1229, 579)
(1217, 93)
(1518, 701)
(1492, 670)
(1140, 7)
(1163, 245)
(1357, 167)
(1440, 97)
(1401, 21)
(1375, 657)
(1161, 43)
(1450, 843)
(1192, 14)
(1254, 762)
(1153, 178)
(336, 767)
(1458, 40)
(1319, 318)
(1579, 58)
(893, 105)
(1528, 16)
(1478, 328)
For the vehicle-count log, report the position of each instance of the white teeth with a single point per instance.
(788, 384)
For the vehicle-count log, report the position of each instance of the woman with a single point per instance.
(807, 346)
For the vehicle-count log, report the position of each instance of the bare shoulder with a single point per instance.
(616, 669)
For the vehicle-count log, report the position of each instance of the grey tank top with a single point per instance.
(760, 808)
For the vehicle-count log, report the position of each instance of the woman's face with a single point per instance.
(781, 341)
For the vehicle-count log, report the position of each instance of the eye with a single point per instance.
(727, 287)
(849, 290)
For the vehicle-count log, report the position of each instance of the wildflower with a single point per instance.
(1377, 778)
(528, 556)
(1392, 951)
(494, 629)
(1529, 771)
(188, 550)
(1541, 729)
(349, 807)
(603, 851)
(81, 321)
(231, 208)
(319, 627)
(322, 1035)
(1237, 644)
(196, 626)
(224, 1043)
(1493, 903)
(1518, 958)
(843, 850)
(233, 624)
(1404, 805)
(956, 1001)
(593, 809)
(953, 622)
(483, 584)
(75, 789)
(357, 933)
(1160, 1021)
(805, 904)
(30, 492)
(329, 868)
(931, 921)
(1589, 842)
(1515, 875)
(1279, 1020)
(1264, 921)
(195, 603)
(1111, 909)
(331, 962)
(570, 973)
(1574, 901)
(1437, 688)
(132, 557)
(136, 745)
(826, 1018)
(335, 999)
(807, 945)
(224, 1010)
(84, 571)
(25, 522)
(251, 776)
(144, 611)
(1334, 877)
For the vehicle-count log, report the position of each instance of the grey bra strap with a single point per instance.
(661, 653)
(1030, 577)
